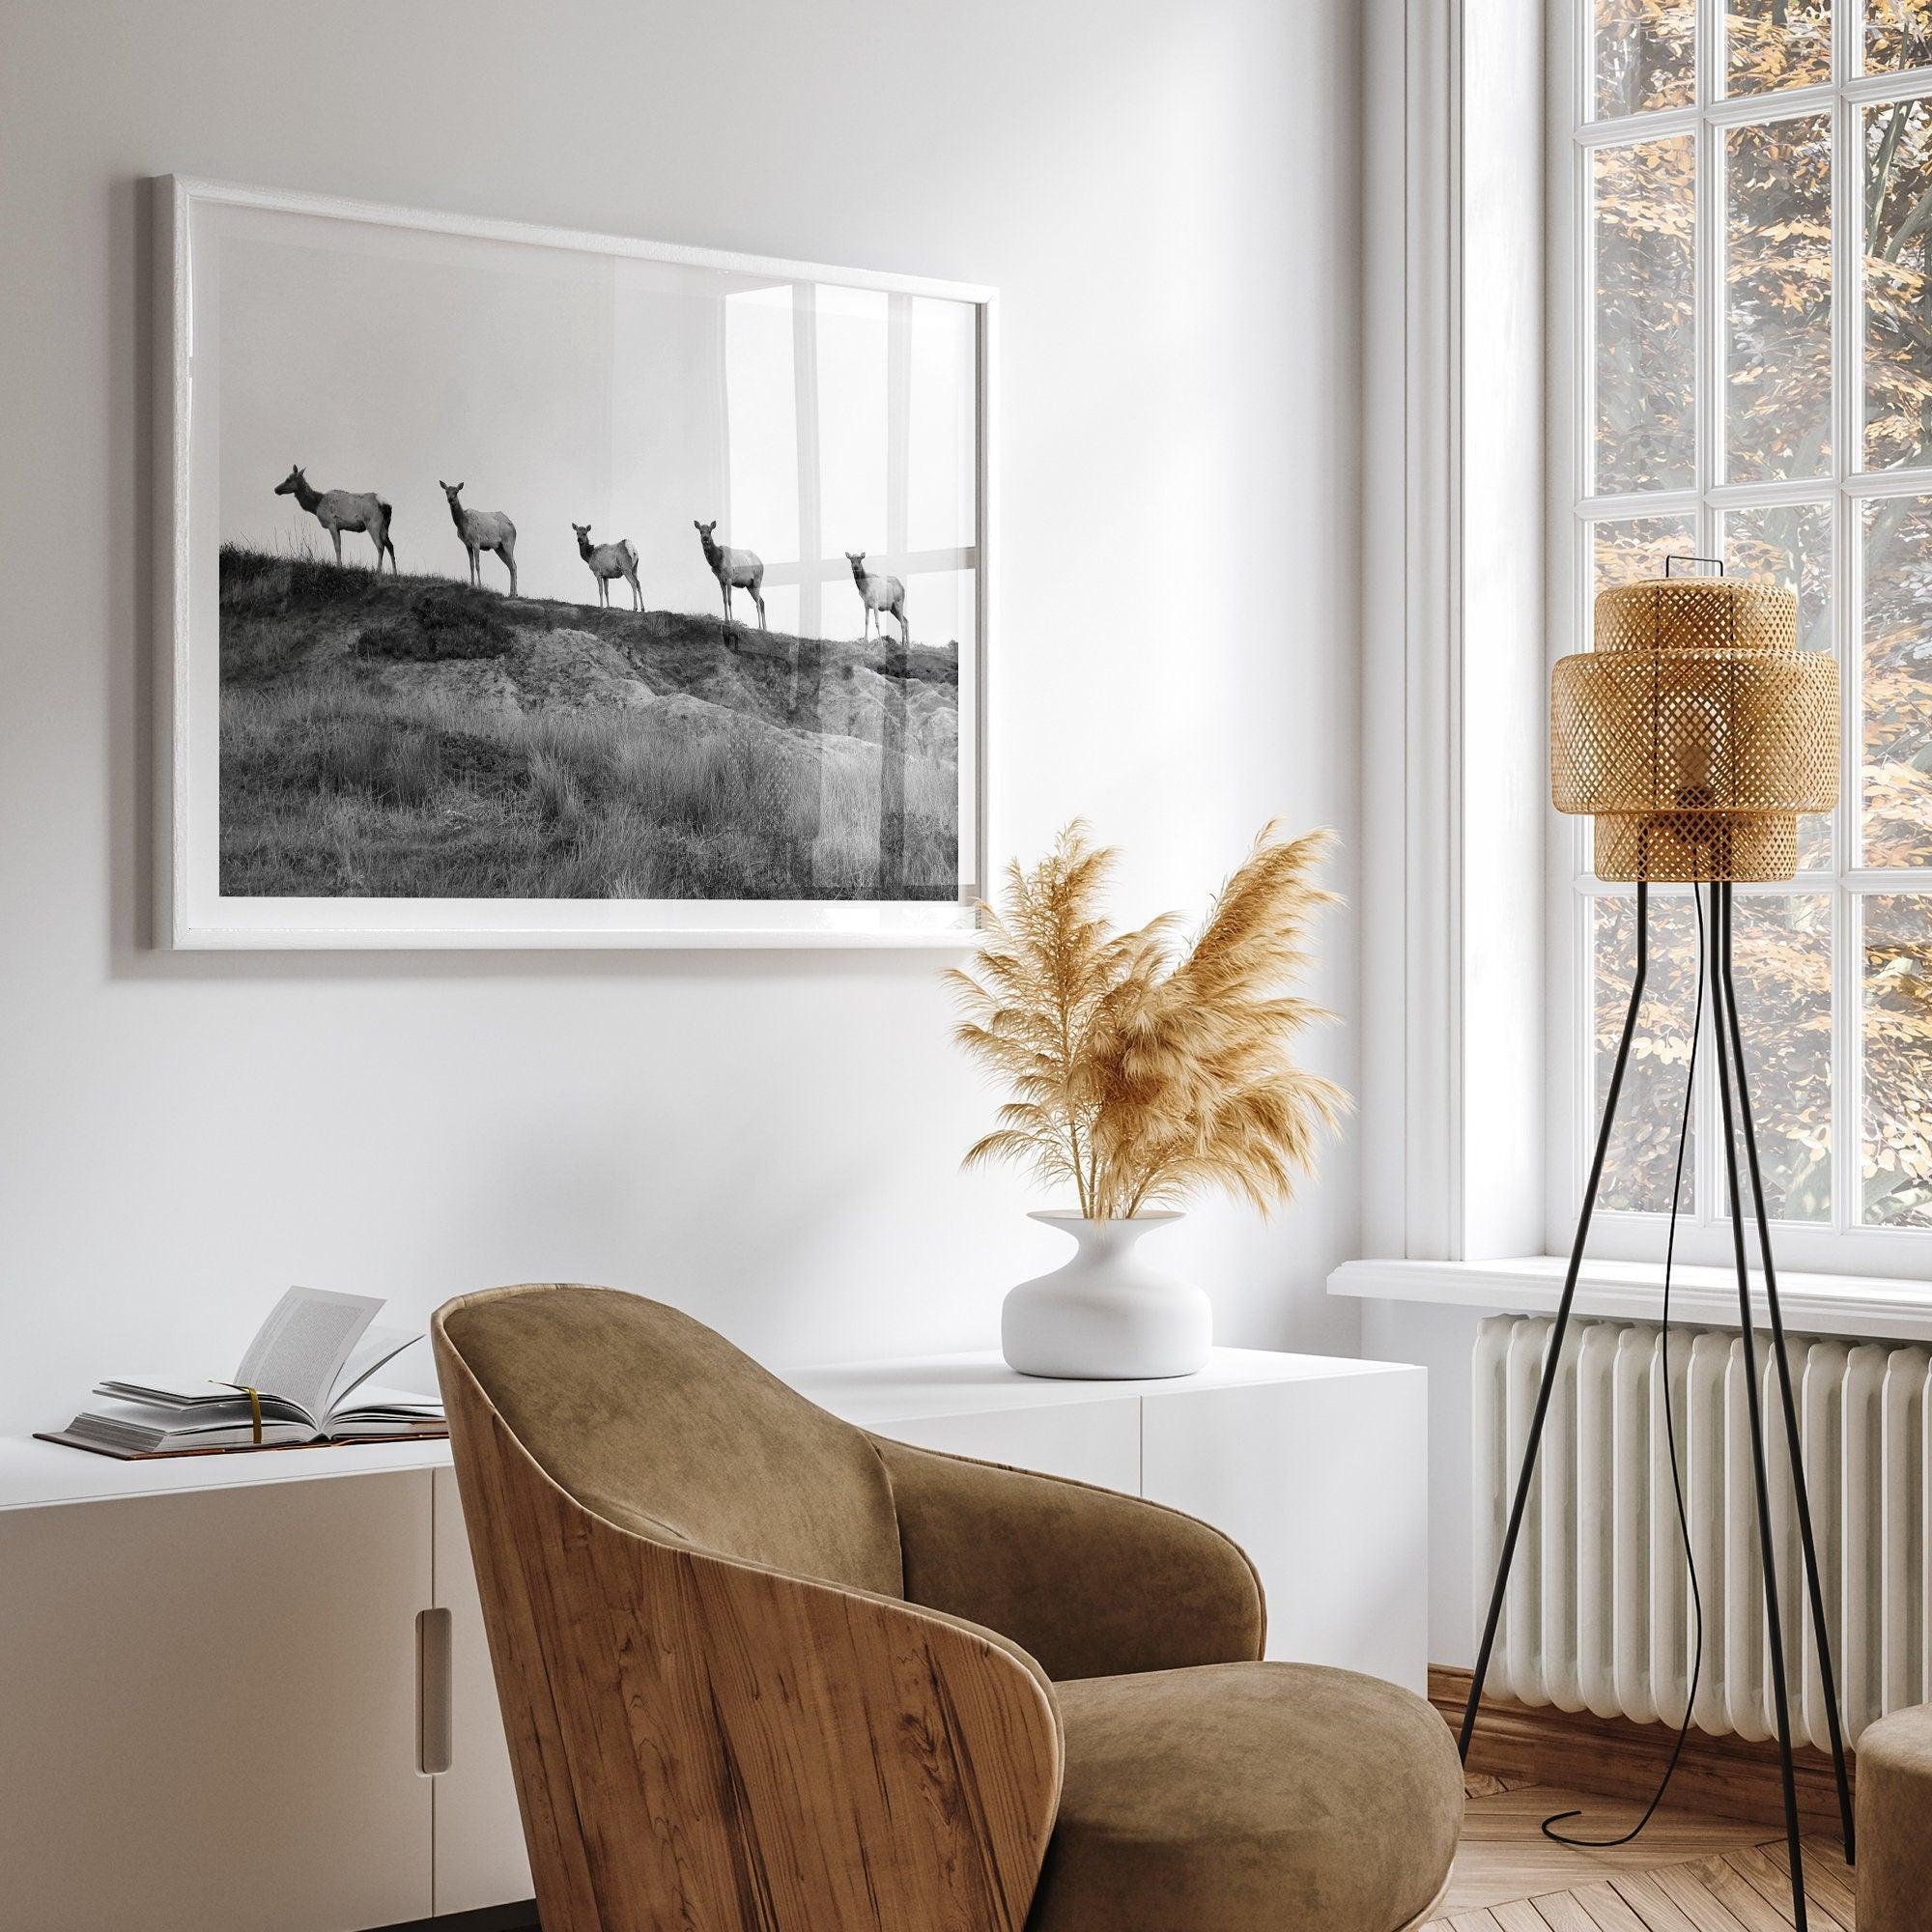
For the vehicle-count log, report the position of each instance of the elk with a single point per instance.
(339, 510)
(878, 594)
(607, 562)
(734, 570)
(481, 530)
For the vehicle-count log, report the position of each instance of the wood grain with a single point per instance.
(1741, 1899)
(1504, 1855)
(1655, 1906)
(702, 1742)
(1827, 1879)
(1769, 1881)
(1492, 1785)
(1606, 1907)
(1518, 1915)
(1561, 1913)
(1690, 1889)
(1615, 1757)
(1503, 1876)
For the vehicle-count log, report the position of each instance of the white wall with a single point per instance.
(1166, 198)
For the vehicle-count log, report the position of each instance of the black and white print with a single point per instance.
(546, 573)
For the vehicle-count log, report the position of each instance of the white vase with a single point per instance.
(1106, 1316)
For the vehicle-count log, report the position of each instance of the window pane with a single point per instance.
(1897, 682)
(1627, 548)
(1643, 1144)
(1770, 44)
(1897, 285)
(1791, 544)
(1898, 1136)
(1645, 219)
(1781, 961)
(1788, 543)
(1898, 34)
(1778, 280)
(1647, 55)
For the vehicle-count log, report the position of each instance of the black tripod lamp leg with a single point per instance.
(1552, 1354)
(1755, 1407)
(1800, 1491)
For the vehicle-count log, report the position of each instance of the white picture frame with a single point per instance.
(193, 911)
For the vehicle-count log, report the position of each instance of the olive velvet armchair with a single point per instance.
(761, 1671)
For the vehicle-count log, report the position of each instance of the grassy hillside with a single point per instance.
(410, 737)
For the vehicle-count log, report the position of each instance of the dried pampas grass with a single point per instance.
(1140, 1072)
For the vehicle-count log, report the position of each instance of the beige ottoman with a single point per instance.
(1895, 1823)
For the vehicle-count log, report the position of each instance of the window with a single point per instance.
(1744, 347)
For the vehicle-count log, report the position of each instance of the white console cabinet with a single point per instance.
(212, 1688)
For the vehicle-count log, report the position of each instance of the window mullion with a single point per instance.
(1847, 926)
(1641, 504)
(1707, 1207)
(1847, 45)
(1584, 1120)
(1579, 915)
(1709, 325)
(1755, 495)
(1847, 1071)
(1737, 109)
(1848, 604)
(1907, 84)
(1711, 1208)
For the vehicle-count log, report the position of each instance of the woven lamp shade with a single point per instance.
(1696, 732)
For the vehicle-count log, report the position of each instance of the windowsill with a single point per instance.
(1814, 1304)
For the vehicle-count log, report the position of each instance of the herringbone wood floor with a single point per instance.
(1688, 1872)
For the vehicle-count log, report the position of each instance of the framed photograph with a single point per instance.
(525, 587)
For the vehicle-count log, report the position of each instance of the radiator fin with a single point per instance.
(1598, 1615)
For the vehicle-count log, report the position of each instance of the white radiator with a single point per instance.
(1599, 1615)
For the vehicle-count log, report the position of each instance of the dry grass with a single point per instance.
(330, 790)
(383, 738)
(1139, 1072)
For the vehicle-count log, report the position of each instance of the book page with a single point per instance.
(377, 1350)
(302, 1347)
(167, 1390)
(393, 1413)
(210, 1396)
(413, 1369)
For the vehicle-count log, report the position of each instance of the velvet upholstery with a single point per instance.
(1248, 1798)
(1203, 1791)
(1895, 1869)
(1093, 1583)
(658, 1423)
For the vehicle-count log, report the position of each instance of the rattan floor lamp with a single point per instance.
(1694, 734)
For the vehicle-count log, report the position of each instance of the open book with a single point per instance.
(312, 1369)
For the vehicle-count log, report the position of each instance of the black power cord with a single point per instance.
(1670, 1432)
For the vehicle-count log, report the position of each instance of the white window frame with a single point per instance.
(1456, 782)
(1845, 1245)
(1473, 1131)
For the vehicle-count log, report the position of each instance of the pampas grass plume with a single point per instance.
(1140, 1071)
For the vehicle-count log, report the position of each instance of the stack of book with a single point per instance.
(307, 1376)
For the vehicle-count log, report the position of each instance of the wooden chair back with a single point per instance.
(703, 1738)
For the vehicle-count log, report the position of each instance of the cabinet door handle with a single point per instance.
(434, 1695)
